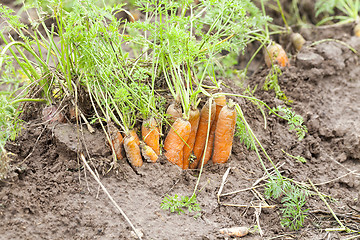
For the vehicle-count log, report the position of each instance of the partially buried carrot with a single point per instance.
(224, 134)
(204, 124)
(357, 30)
(132, 150)
(297, 41)
(220, 103)
(117, 141)
(194, 117)
(235, 231)
(151, 134)
(148, 153)
(275, 54)
(175, 141)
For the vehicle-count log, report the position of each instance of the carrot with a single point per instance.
(224, 134)
(133, 133)
(173, 112)
(148, 153)
(235, 231)
(357, 30)
(175, 141)
(194, 117)
(200, 139)
(275, 54)
(220, 103)
(132, 150)
(117, 141)
(133, 16)
(297, 41)
(151, 134)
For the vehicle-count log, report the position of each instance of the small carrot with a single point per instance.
(132, 150)
(133, 133)
(175, 141)
(148, 153)
(133, 16)
(151, 134)
(357, 30)
(173, 112)
(200, 139)
(224, 134)
(117, 141)
(220, 103)
(194, 117)
(297, 41)
(275, 54)
(235, 231)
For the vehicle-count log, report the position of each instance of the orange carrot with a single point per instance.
(194, 117)
(175, 141)
(235, 231)
(224, 134)
(148, 153)
(275, 54)
(132, 150)
(151, 134)
(133, 133)
(133, 16)
(173, 112)
(220, 103)
(201, 134)
(117, 141)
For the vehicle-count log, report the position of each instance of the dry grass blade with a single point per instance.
(108, 194)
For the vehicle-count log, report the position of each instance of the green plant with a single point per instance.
(350, 9)
(178, 204)
(295, 121)
(293, 199)
(272, 82)
(297, 158)
(242, 133)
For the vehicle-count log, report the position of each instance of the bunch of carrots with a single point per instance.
(190, 143)
(149, 147)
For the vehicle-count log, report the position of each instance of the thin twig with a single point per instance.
(246, 206)
(254, 184)
(342, 227)
(241, 190)
(222, 184)
(335, 179)
(257, 216)
(109, 196)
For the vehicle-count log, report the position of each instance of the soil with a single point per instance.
(50, 195)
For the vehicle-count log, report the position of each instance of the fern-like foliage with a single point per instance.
(178, 204)
(294, 120)
(243, 134)
(293, 200)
